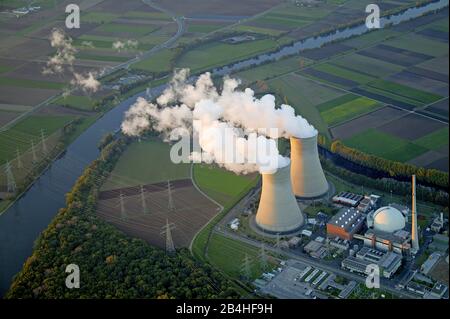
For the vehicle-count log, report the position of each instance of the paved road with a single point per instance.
(386, 285)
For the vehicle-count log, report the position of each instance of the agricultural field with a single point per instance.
(228, 255)
(144, 215)
(363, 89)
(216, 54)
(132, 170)
(221, 185)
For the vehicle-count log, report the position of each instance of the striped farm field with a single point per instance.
(366, 65)
(344, 73)
(220, 184)
(421, 97)
(342, 111)
(385, 145)
(434, 140)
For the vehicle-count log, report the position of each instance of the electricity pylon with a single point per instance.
(123, 213)
(11, 182)
(143, 202)
(246, 268)
(44, 145)
(167, 231)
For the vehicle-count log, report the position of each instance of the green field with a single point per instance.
(159, 62)
(98, 17)
(217, 53)
(273, 69)
(220, 184)
(146, 162)
(136, 30)
(260, 30)
(385, 145)
(349, 110)
(78, 102)
(27, 130)
(204, 28)
(304, 95)
(434, 140)
(228, 255)
(108, 58)
(404, 92)
(344, 73)
(31, 83)
(366, 65)
(420, 44)
(147, 15)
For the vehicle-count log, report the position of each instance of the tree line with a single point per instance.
(395, 169)
(112, 265)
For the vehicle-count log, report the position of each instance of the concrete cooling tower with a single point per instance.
(278, 211)
(308, 179)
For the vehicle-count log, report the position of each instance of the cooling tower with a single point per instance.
(308, 179)
(278, 211)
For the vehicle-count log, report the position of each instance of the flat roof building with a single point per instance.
(388, 262)
(398, 241)
(346, 223)
(347, 199)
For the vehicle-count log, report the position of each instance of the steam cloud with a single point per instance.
(88, 83)
(65, 53)
(126, 45)
(65, 57)
(247, 117)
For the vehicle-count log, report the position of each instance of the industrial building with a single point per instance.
(316, 249)
(346, 223)
(278, 211)
(388, 262)
(347, 199)
(399, 241)
(308, 178)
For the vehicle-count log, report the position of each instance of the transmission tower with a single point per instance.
(167, 230)
(143, 202)
(171, 204)
(33, 151)
(19, 159)
(44, 145)
(10, 178)
(263, 258)
(246, 268)
(123, 213)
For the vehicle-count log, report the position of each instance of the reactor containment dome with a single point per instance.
(388, 219)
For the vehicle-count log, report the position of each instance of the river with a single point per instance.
(22, 223)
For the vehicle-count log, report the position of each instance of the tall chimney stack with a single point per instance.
(278, 211)
(414, 232)
(308, 179)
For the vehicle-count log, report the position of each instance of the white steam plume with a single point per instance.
(65, 53)
(125, 45)
(219, 112)
(88, 83)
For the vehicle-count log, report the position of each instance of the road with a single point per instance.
(385, 284)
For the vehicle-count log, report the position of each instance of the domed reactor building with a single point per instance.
(388, 230)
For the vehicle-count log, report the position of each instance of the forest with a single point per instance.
(111, 264)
